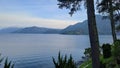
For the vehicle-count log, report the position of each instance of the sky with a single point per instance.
(41, 13)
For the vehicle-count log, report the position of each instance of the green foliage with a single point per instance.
(117, 48)
(105, 6)
(110, 57)
(72, 5)
(8, 64)
(113, 60)
(86, 64)
(116, 51)
(64, 62)
(104, 63)
(106, 50)
(87, 52)
(107, 62)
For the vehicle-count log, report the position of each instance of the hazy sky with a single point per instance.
(42, 13)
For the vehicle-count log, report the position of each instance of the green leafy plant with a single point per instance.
(8, 64)
(63, 62)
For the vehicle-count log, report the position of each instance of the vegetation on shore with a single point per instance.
(111, 8)
(64, 62)
(109, 58)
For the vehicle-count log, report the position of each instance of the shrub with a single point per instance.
(106, 50)
(88, 52)
(116, 51)
(64, 62)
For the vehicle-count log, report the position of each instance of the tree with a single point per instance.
(110, 7)
(117, 15)
(74, 5)
(117, 12)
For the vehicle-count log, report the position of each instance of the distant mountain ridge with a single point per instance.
(81, 28)
(104, 27)
(38, 30)
(9, 29)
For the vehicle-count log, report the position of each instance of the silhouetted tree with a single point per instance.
(74, 5)
(117, 11)
(111, 9)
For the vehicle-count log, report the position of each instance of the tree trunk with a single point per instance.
(93, 34)
(112, 23)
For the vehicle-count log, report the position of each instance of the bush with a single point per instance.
(116, 51)
(106, 50)
(87, 52)
(64, 62)
(102, 65)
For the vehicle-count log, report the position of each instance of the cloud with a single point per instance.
(22, 20)
(36, 13)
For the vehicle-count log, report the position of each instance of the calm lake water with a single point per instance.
(37, 50)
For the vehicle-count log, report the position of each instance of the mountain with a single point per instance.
(103, 25)
(37, 30)
(104, 28)
(9, 29)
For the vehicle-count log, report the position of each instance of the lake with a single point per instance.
(37, 50)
